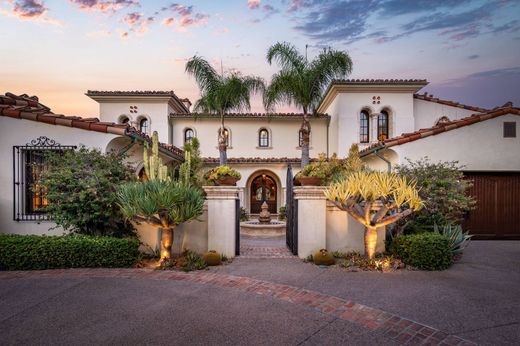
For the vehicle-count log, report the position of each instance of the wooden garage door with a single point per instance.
(497, 215)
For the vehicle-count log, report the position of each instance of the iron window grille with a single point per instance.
(382, 126)
(28, 165)
(263, 138)
(363, 127)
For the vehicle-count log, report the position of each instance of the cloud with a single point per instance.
(489, 88)
(183, 17)
(138, 22)
(473, 56)
(253, 4)
(349, 20)
(104, 6)
(330, 21)
(29, 10)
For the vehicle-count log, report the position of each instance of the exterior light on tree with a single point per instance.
(375, 199)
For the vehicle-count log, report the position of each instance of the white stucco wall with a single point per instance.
(244, 136)
(15, 132)
(478, 147)
(156, 112)
(427, 113)
(347, 107)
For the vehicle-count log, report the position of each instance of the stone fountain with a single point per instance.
(265, 226)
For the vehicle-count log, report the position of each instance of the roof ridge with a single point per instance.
(431, 98)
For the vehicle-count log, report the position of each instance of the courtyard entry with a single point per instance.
(263, 189)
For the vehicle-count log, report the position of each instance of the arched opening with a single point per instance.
(143, 125)
(263, 138)
(364, 128)
(124, 120)
(382, 126)
(263, 189)
(188, 135)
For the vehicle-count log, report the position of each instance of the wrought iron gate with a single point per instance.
(237, 227)
(291, 232)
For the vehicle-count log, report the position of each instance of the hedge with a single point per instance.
(22, 252)
(426, 251)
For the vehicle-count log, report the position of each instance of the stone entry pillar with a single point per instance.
(221, 218)
(312, 220)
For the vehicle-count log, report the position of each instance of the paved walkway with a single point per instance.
(268, 301)
(255, 247)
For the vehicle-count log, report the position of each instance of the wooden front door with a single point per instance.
(497, 214)
(263, 189)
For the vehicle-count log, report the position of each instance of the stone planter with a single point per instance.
(226, 181)
(309, 181)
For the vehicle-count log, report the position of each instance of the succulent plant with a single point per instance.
(323, 257)
(212, 258)
(457, 237)
(153, 166)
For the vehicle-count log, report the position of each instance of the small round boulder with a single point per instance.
(212, 258)
(323, 257)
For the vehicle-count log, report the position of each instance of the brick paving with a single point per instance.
(397, 328)
(256, 247)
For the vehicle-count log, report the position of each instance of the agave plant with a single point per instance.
(457, 237)
(163, 203)
(375, 199)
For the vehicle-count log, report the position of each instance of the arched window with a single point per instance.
(143, 125)
(227, 134)
(382, 126)
(188, 135)
(300, 138)
(263, 138)
(124, 120)
(363, 127)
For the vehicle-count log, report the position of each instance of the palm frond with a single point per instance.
(287, 56)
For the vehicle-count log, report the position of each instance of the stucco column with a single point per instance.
(221, 218)
(312, 221)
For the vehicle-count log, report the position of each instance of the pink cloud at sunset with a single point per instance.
(253, 4)
(104, 6)
(29, 10)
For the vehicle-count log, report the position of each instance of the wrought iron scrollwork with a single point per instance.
(43, 141)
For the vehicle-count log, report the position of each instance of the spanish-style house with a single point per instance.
(389, 119)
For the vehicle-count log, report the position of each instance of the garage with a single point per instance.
(497, 215)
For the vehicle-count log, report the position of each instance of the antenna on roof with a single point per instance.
(306, 46)
(221, 67)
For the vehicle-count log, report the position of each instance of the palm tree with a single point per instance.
(221, 94)
(302, 83)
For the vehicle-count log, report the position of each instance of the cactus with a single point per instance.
(185, 169)
(323, 257)
(212, 258)
(153, 166)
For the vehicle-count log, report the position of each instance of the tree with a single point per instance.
(375, 199)
(160, 201)
(81, 188)
(221, 94)
(302, 83)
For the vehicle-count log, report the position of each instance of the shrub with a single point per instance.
(426, 251)
(23, 252)
(81, 191)
(282, 213)
(442, 188)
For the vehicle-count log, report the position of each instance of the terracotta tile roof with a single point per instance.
(29, 108)
(130, 93)
(379, 81)
(430, 98)
(440, 128)
(238, 160)
(250, 115)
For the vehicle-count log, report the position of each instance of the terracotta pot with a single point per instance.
(226, 181)
(310, 181)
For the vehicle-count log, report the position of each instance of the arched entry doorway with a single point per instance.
(263, 188)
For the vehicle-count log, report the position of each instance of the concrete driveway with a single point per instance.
(269, 302)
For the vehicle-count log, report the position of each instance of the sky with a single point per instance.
(468, 50)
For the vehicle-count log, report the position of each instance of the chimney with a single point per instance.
(187, 103)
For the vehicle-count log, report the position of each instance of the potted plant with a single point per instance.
(315, 173)
(223, 176)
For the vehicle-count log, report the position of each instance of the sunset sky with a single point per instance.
(58, 49)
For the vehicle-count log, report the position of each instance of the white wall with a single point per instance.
(244, 136)
(15, 132)
(427, 113)
(156, 112)
(346, 109)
